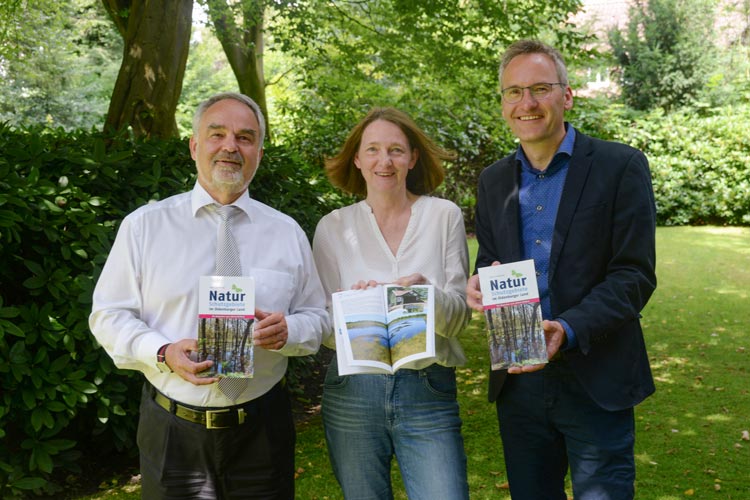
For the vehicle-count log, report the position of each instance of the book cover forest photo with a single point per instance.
(228, 342)
(515, 337)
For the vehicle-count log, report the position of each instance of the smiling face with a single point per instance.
(226, 149)
(539, 124)
(385, 157)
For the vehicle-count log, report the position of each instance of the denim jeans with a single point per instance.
(413, 415)
(547, 421)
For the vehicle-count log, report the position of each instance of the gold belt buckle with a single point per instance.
(210, 418)
(211, 413)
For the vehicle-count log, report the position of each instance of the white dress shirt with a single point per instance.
(147, 294)
(348, 247)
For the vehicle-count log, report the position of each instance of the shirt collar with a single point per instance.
(564, 150)
(200, 198)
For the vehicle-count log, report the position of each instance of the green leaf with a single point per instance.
(55, 406)
(35, 282)
(102, 413)
(76, 375)
(40, 459)
(38, 417)
(59, 363)
(8, 312)
(70, 399)
(7, 326)
(52, 207)
(29, 483)
(34, 267)
(61, 444)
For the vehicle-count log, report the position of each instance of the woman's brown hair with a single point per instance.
(424, 178)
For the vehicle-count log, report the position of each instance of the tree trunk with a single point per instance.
(157, 41)
(243, 45)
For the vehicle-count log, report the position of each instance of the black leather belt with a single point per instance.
(214, 418)
(218, 418)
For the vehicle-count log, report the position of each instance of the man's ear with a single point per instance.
(193, 147)
(568, 98)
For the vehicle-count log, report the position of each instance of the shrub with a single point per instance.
(698, 163)
(698, 157)
(62, 196)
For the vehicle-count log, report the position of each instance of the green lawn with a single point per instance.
(690, 433)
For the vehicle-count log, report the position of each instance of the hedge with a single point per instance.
(699, 158)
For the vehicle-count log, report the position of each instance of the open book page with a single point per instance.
(513, 313)
(411, 323)
(379, 329)
(226, 313)
(361, 331)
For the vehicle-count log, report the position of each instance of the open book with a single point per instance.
(513, 313)
(226, 312)
(380, 329)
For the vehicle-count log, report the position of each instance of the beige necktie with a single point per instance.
(228, 264)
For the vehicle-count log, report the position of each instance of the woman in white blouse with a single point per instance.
(396, 234)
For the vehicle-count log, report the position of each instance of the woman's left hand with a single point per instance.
(412, 279)
(362, 284)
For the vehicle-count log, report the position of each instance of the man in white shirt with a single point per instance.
(194, 441)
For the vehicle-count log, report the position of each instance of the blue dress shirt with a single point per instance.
(539, 198)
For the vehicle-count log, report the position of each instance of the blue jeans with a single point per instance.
(413, 415)
(547, 421)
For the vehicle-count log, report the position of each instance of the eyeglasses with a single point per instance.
(538, 91)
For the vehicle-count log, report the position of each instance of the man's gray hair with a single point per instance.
(522, 47)
(202, 107)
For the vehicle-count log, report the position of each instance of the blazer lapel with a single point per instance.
(578, 172)
(508, 211)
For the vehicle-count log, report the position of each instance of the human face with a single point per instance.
(226, 150)
(538, 124)
(385, 157)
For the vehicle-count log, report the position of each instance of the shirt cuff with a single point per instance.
(571, 341)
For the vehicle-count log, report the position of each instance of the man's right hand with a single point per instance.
(474, 294)
(177, 356)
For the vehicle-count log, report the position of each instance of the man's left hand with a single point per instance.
(270, 330)
(554, 336)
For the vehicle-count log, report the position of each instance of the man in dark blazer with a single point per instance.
(584, 210)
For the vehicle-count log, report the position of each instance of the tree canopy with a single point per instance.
(666, 53)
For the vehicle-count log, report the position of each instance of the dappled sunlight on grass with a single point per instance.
(689, 433)
(717, 417)
(644, 458)
(662, 368)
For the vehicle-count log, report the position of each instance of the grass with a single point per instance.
(689, 434)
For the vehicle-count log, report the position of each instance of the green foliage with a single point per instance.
(698, 160)
(666, 54)
(207, 73)
(698, 163)
(62, 197)
(58, 63)
(435, 60)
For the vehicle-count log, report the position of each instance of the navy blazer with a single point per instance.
(601, 265)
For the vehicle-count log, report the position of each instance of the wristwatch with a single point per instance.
(161, 359)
